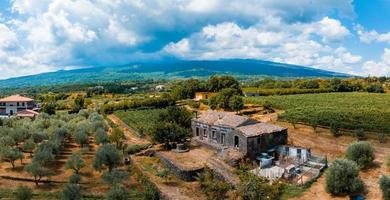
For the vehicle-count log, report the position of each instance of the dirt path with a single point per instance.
(323, 143)
(172, 192)
(132, 138)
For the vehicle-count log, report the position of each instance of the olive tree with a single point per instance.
(384, 183)
(117, 136)
(101, 136)
(71, 191)
(114, 177)
(75, 162)
(81, 138)
(361, 152)
(23, 193)
(29, 146)
(108, 156)
(343, 178)
(37, 171)
(10, 154)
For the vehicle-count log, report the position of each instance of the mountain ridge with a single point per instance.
(241, 68)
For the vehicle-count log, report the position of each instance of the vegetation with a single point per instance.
(253, 187)
(118, 193)
(384, 183)
(173, 126)
(23, 193)
(342, 178)
(213, 188)
(351, 111)
(108, 156)
(362, 153)
(75, 162)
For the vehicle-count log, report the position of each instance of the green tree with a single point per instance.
(10, 154)
(107, 155)
(23, 193)
(361, 152)
(118, 192)
(236, 103)
(49, 108)
(117, 136)
(81, 138)
(360, 134)
(29, 146)
(384, 184)
(101, 136)
(75, 179)
(343, 178)
(37, 171)
(165, 132)
(213, 188)
(253, 187)
(75, 162)
(71, 192)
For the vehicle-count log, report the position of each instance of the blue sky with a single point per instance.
(339, 35)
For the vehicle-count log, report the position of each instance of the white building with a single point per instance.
(13, 104)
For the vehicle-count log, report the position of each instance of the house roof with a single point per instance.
(27, 113)
(222, 118)
(16, 98)
(259, 129)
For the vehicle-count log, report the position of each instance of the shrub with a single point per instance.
(382, 137)
(23, 193)
(71, 192)
(75, 178)
(213, 188)
(362, 153)
(114, 177)
(254, 187)
(360, 134)
(342, 178)
(384, 184)
(118, 193)
(334, 129)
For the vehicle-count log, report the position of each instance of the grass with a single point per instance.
(140, 120)
(10, 194)
(352, 111)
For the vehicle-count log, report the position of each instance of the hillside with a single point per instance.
(170, 70)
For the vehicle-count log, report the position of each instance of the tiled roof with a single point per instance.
(27, 113)
(222, 118)
(259, 129)
(16, 98)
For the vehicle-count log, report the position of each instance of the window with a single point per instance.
(204, 133)
(17, 104)
(258, 140)
(223, 135)
(197, 131)
(23, 104)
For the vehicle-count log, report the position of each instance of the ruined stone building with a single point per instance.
(226, 130)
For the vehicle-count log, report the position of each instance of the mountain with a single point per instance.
(170, 70)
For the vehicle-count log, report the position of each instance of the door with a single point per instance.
(222, 138)
(236, 141)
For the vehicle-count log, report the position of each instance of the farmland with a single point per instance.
(351, 111)
(140, 120)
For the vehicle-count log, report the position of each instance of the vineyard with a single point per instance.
(140, 120)
(351, 111)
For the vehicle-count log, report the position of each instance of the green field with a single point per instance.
(368, 111)
(140, 119)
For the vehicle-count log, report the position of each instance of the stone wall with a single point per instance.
(184, 174)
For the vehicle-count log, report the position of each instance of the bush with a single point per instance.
(214, 189)
(254, 187)
(334, 129)
(75, 178)
(342, 178)
(382, 137)
(71, 192)
(118, 193)
(360, 134)
(114, 177)
(107, 155)
(362, 153)
(23, 193)
(384, 184)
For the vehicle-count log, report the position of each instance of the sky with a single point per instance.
(346, 36)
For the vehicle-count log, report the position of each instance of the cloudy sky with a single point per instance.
(338, 35)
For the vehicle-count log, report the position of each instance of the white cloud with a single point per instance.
(54, 34)
(372, 36)
(288, 43)
(381, 68)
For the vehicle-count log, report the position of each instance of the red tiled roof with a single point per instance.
(16, 98)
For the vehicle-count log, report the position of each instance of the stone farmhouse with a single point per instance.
(17, 105)
(221, 130)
